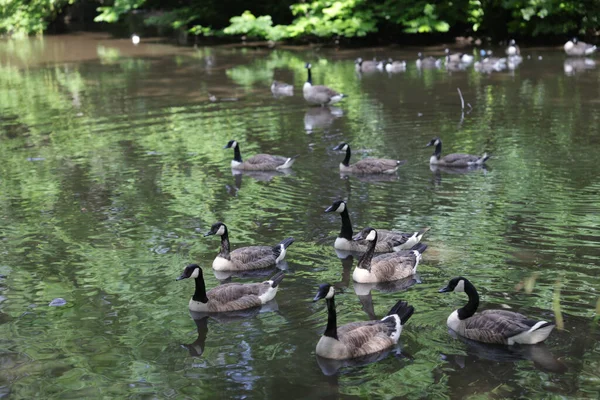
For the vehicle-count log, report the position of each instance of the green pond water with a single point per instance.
(113, 168)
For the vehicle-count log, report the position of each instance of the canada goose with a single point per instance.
(259, 162)
(427, 62)
(282, 89)
(358, 339)
(367, 165)
(385, 267)
(245, 258)
(392, 66)
(388, 241)
(319, 94)
(365, 66)
(576, 48)
(455, 159)
(458, 58)
(513, 49)
(492, 326)
(230, 296)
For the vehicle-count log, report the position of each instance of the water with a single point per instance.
(113, 169)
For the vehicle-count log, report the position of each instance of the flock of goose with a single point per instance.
(398, 257)
(398, 254)
(323, 95)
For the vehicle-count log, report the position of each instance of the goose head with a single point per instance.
(455, 285)
(326, 291)
(420, 55)
(447, 51)
(512, 42)
(341, 146)
(232, 144)
(338, 206)
(369, 234)
(191, 271)
(574, 40)
(218, 229)
(308, 66)
(434, 142)
(358, 61)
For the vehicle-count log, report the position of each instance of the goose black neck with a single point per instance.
(468, 310)
(225, 246)
(237, 154)
(309, 80)
(331, 330)
(365, 260)
(346, 161)
(346, 231)
(438, 150)
(200, 293)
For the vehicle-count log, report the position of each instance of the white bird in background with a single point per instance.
(135, 39)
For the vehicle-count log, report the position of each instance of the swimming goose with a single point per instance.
(455, 159)
(576, 48)
(245, 258)
(365, 66)
(513, 49)
(230, 296)
(457, 58)
(367, 165)
(358, 339)
(392, 66)
(385, 267)
(319, 94)
(388, 241)
(492, 326)
(427, 62)
(259, 162)
(282, 89)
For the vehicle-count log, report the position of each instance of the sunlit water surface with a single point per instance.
(113, 168)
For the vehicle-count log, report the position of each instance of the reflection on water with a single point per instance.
(112, 170)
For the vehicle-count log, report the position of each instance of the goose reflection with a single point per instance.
(370, 178)
(225, 276)
(541, 356)
(574, 66)
(196, 348)
(261, 176)
(320, 117)
(347, 259)
(363, 291)
(438, 169)
(331, 367)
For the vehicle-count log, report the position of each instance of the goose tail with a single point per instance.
(276, 279)
(483, 158)
(403, 310)
(288, 163)
(419, 247)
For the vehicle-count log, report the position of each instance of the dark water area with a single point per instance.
(113, 168)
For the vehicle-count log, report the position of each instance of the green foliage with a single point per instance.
(262, 27)
(21, 18)
(281, 20)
